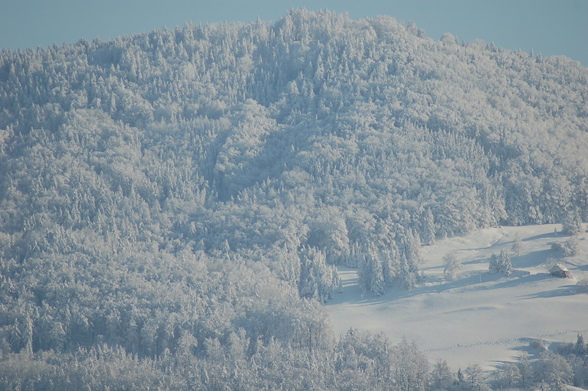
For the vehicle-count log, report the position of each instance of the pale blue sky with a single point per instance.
(548, 27)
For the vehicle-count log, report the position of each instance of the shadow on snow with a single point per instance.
(476, 282)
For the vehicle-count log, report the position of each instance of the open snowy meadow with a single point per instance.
(478, 317)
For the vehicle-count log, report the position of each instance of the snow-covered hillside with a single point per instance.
(182, 198)
(478, 317)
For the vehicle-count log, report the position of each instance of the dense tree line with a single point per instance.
(357, 361)
(563, 364)
(164, 194)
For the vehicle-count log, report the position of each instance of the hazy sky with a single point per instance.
(548, 27)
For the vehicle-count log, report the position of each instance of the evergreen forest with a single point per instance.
(173, 205)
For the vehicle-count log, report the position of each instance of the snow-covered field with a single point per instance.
(478, 317)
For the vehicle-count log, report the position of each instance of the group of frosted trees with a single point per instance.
(561, 365)
(397, 264)
(161, 192)
(500, 264)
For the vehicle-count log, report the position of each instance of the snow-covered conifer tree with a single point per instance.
(371, 277)
(517, 245)
(377, 284)
(572, 225)
(389, 265)
(428, 230)
(317, 279)
(408, 258)
(500, 264)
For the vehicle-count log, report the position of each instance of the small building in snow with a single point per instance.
(559, 270)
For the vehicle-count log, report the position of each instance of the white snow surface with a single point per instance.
(478, 318)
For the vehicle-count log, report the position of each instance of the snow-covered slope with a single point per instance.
(478, 317)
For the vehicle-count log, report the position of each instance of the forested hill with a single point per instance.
(187, 191)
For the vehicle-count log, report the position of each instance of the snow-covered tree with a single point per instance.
(572, 224)
(409, 257)
(428, 230)
(500, 264)
(553, 370)
(441, 376)
(451, 265)
(525, 370)
(508, 376)
(475, 378)
(517, 245)
(371, 276)
(571, 247)
(317, 279)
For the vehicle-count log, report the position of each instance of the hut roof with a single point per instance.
(558, 267)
